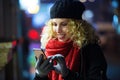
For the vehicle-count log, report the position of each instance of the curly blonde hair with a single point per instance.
(81, 32)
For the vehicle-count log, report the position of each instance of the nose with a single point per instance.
(58, 29)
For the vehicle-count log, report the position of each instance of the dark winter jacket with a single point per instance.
(93, 65)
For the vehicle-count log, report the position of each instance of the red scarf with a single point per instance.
(68, 50)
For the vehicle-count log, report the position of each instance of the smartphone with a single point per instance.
(38, 52)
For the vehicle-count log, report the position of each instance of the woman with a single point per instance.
(71, 46)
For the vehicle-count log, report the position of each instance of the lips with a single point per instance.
(61, 36)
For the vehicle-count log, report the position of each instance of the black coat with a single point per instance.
(93, 65)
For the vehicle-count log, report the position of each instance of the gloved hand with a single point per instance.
(61, 67)
(43, 67)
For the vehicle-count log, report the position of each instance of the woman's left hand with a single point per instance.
(61, 67)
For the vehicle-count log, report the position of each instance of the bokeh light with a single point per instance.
(33, 34)
(31, 6)
(83, 1)
(114, 3)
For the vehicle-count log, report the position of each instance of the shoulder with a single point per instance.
(94, 54)
(93, 47)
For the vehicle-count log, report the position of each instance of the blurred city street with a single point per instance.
(21, 24)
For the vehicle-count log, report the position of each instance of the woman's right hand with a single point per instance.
(43, 67)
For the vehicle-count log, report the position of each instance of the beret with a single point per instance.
(67, 9)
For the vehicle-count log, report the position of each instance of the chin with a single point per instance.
(62, 40)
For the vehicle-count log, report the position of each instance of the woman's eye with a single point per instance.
(54, 24)
(64, 24)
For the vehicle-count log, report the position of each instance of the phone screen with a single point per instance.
(38, 52)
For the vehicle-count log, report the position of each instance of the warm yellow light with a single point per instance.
(82, 0)
(34, 9)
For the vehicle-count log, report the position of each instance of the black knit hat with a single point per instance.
(67, 9)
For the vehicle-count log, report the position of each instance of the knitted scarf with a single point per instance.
(68, 50)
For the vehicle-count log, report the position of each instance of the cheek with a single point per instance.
(65, 29)
(68, 34)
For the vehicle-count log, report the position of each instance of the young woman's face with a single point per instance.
(60, 28)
